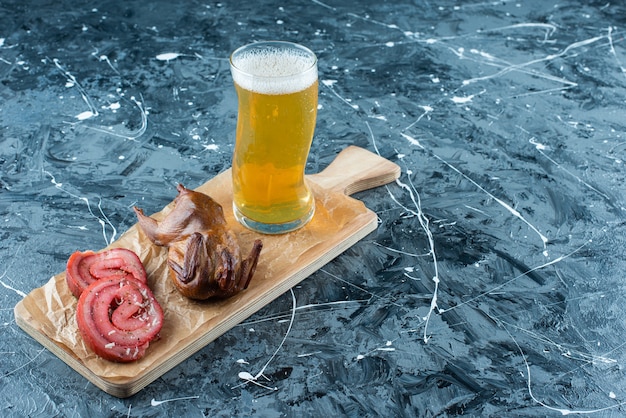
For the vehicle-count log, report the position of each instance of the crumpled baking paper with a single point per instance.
(48, 313)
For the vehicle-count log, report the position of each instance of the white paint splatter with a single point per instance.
(462, 100)
(245, 376)
(19, 292)
(483, 54)
(85, 115)
(104, 221)
(501, 202)
(154, 402)
(113, 106)
(538, 145)
(541, 148)
(427, 109)
(248, 377)
(412, 140)
(309, 354)
(72, 82)
(168, 56)
(330, 84)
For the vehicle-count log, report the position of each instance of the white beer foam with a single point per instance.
(274, 71)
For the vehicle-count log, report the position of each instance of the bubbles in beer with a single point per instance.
(273, 70)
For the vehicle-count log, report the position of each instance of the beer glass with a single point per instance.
(276, 84)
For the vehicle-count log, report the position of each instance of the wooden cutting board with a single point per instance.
(47, 313)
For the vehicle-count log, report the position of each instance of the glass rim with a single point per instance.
(284, 44)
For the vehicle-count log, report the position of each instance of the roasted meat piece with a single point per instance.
(204, 257)
(84, 268)
(118, 318)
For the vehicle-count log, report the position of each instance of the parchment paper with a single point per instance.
(187, 322)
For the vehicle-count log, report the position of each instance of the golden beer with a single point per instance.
(276, 84)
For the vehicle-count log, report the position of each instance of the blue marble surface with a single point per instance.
(495, 282)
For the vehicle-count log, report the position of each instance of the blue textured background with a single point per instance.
(506, 117)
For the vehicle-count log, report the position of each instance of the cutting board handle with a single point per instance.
(356, 169)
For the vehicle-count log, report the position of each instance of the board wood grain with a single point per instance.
(47, 313)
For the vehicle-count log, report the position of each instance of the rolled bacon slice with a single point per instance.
(118, 318)
(84, 268)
